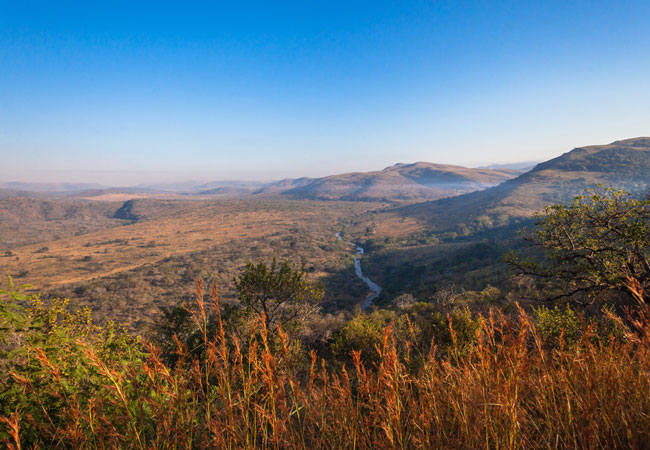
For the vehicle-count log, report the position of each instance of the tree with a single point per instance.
(282, 293)
(599, 243)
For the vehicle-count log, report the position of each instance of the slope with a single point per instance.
(401, 182)
(622, 164)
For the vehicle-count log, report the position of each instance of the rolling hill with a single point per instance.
(401, 182)
(623, 164)
(124, 257)
(25, 220)
(436, 245)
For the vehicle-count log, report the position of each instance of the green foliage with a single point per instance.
(557, 326)
(363, 333)
(282, 293)
(599, 243)
(455, 331)
(490, 294)
(420, 324)
(45, 358)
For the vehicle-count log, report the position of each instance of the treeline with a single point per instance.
(465, 372)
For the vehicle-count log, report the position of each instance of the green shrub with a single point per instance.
(48, 360)
(366, 333)
(456, 330)
(363, 333)
(557, 326)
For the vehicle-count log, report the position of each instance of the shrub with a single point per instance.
(362, 334)
(456, 331)
(557, 326)
(50, 365)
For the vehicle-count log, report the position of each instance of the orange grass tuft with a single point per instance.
(506, 391)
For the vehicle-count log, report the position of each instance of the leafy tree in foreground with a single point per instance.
(599, 243)
(279, 291)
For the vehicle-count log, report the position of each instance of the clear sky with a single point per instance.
(129, 92)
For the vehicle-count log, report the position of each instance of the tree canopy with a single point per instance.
(598, 243)
(283, 293)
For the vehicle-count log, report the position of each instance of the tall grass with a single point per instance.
(509, 390)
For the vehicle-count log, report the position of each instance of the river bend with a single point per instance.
(374, 287)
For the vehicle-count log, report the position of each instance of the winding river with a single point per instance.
(374, 287)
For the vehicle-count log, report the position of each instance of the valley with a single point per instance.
(125, 272)
(325, 225)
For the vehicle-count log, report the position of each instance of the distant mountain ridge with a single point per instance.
(418, 181)
(400, 182)
(503, 192)
(622, 164)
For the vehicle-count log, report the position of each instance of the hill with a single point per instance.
(623, 164)
(25, 220)
(401, 182)
(429, 246)
(227, 188)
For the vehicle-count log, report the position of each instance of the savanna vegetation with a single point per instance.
(516, 366)
(127, 272)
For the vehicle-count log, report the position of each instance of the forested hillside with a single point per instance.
(456, 243)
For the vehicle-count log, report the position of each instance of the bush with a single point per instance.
(456, 331)
(557, 326)
(363, 334)
(53, 362)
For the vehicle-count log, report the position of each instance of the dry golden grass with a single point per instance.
(508, 390)
(393, 226)
(123, 248)
(126, 272)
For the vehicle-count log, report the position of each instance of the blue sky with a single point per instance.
(130, 92)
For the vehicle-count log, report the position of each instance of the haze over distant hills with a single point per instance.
(48, 187)
(520, 167)
(400, 182)
(504, 192)
(421, 180)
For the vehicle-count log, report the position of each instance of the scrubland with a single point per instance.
(126, 271)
